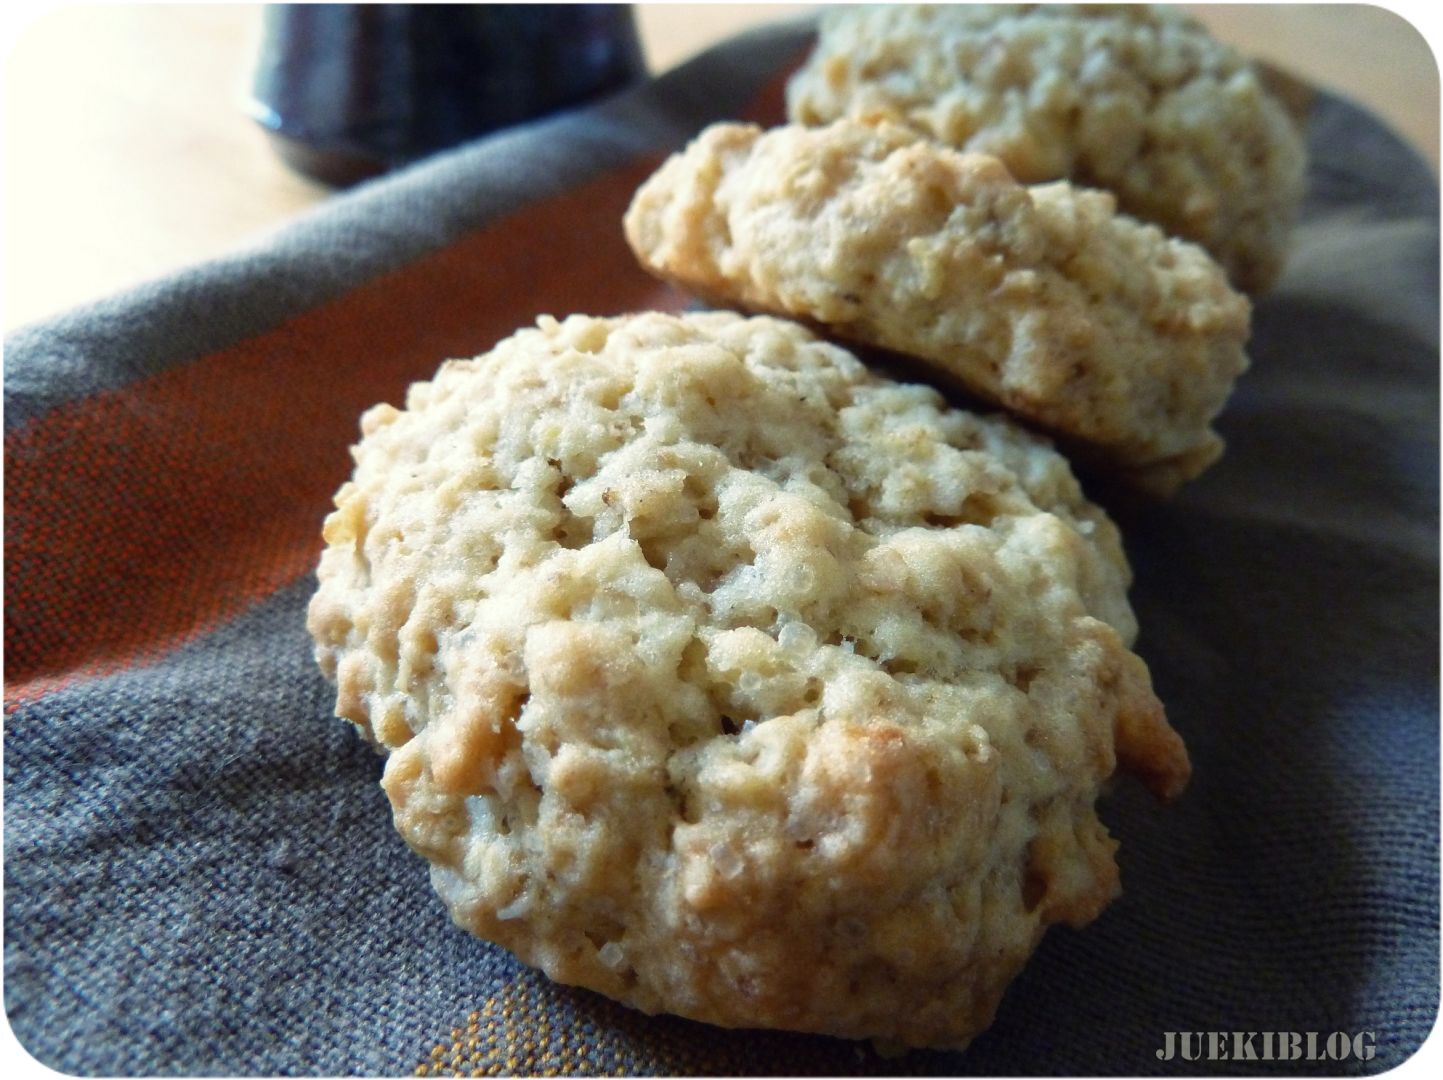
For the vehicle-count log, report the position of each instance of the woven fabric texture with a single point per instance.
(200, 870)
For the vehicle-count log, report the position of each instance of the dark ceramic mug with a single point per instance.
(346, 91)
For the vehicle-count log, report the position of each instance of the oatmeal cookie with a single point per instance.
(1139, 100)
(1042, 300)
(728, 679)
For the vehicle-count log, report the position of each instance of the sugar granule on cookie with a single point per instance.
(1140, 100)
(1042, 300)
(728, 679)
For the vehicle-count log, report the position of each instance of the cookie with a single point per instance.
(1042, 300)
(1139, 100)
(725, 678)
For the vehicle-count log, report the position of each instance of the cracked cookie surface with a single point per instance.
(724, 677)
(1043, 300)
(1139, 100)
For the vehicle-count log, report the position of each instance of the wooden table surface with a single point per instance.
(128, 154)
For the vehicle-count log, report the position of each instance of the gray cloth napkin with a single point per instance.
(200, 870)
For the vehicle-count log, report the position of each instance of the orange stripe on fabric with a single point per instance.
(157, 511)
